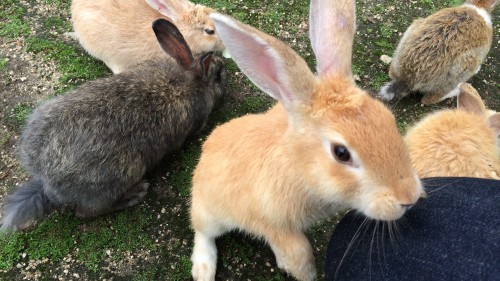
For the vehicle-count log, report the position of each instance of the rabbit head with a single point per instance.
(119, 32)
(487, 5)
(457, 143)
(193, 21)
(208, 69)
(344, 144)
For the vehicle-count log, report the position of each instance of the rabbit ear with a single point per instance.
(204, 64)
(494, 122)
(469, 100)
(170, 8)
(332, 24)
(274, 67)
(172, 42)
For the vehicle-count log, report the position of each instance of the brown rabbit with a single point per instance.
(327, 145)
(119, 32)
(441, 51)
(457, 143)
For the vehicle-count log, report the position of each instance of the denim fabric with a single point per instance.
(454, 234)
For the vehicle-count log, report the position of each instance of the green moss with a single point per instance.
(275, 277)
(71, 62)
(236, 251)
(126, 232)
(12, 24)
(56, 23)
(10, 251)
(186, 160)
(17, 117)
(49, 239)
(4, 70)
(62, 4)
(181, 269)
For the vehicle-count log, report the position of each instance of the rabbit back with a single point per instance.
(454, 143)
(443, 49)
(119, 32)
(107, 133)
(460, 142)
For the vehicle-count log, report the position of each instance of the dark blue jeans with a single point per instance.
(454, 234)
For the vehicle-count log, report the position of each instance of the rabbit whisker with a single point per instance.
(354, 238)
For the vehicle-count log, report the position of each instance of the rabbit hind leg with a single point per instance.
(133, 196)
(103, 204)
(435, 97)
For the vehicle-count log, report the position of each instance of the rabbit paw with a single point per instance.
(204, 257)
(431, 98)
(294, 255)
(134, 195)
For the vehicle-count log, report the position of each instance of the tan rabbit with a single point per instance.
(437, 53)
(457, 143)
(118, 32)
(327, 145)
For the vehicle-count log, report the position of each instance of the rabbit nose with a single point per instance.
(407, 206)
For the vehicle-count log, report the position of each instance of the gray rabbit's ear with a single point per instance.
(202, 68)
(172, 42)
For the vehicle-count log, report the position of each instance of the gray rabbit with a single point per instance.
(90, 148)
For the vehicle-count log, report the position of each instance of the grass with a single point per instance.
(12, 24)
(4, 70)
(72, 63)
(159, 229)
(18, 116)
(48, 240)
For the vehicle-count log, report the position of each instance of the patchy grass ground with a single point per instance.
(153, 240)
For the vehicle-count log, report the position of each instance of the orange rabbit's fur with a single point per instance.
(119, 33)
(275, 174)
(457, 143)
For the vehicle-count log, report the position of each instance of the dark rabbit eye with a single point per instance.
(209, 31)
(341, 154)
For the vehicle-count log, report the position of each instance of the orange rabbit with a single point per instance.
(119, 32)
(457, 143)
(327, 145)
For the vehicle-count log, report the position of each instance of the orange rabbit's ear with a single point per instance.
(489, 5)
(469, 100)
(270, 64)
(170, 8)
(332, 25)
(494, 122)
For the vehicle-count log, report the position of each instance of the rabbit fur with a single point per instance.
(89, 149)
(457, 143)
(439, 52)
(325, 146)
(119, 32)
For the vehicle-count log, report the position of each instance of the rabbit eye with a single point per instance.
(209, 31)
(341, 154)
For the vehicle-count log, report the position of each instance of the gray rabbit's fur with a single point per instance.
(90, 148)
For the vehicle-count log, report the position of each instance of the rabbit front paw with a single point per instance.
(294, 255)
(204, 257)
